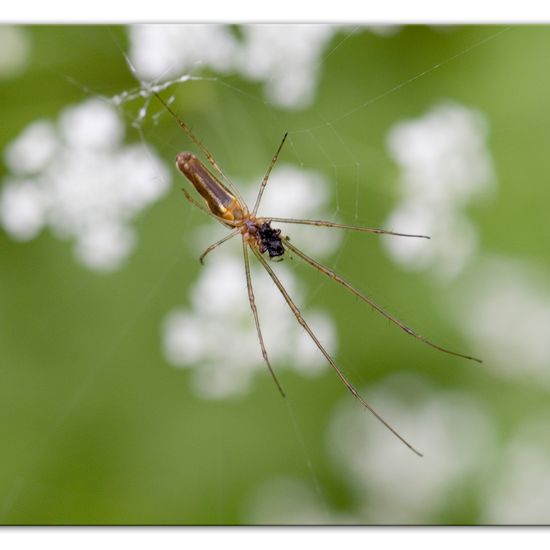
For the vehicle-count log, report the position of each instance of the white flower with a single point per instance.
(33, 149)
(518, 492)
(22, 209)
(391, 485)
(79, 179)
(505, 312)
(285, 58)
(445, 164)
(217, 336)
(160, 52)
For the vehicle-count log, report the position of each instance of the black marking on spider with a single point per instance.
(270, 240)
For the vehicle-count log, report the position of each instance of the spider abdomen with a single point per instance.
(219, 199)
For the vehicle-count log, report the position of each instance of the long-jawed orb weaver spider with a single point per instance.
(223, 202)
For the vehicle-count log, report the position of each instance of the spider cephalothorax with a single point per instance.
(260, 234)
(270, 240)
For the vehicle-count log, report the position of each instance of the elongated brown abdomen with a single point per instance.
(220, 201)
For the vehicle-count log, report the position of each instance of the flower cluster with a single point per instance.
(79, 179)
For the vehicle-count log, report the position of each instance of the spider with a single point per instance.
(223, 202)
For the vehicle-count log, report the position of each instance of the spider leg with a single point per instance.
(217, 243)
(199, 144)
(267, 174)
(340, 280)
(322, 223)
(340, 374)
(255, 313)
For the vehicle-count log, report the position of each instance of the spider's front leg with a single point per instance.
(218, 243)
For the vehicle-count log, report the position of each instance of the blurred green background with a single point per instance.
(97, 427)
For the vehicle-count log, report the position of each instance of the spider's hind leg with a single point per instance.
(255, 314)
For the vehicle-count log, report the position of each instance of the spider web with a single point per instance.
(324, 136)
